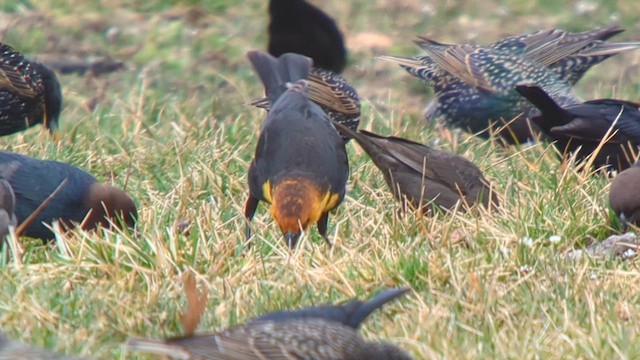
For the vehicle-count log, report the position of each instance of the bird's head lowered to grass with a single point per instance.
(52, 97)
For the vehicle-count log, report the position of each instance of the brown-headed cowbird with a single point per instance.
(299, 27)
(474, 85)
(30, 93)
(423, 176)
(301, 334)
(300, 165)
(81, 199)
(624, 196)
(580, 128)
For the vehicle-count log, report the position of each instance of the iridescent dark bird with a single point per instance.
(300, 165)
(552, 59)
(580, 128)
(338, 99)
(11, 350)
(30, 93)
(423, 177)
(624, 197)
(299, 27)
(282, 337)
(81, 199)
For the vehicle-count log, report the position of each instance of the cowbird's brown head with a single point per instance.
(109, 205)
(624, 196)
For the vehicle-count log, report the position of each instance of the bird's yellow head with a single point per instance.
(297, 203)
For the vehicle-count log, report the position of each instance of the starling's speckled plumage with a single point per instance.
(280, 337)
(424, 176)
(335, 96)
(299, 27)
(581, 127)
(34, 180)
(624, 197)
(552, 59)
(11, 350)
(300, 165)
(30, 93)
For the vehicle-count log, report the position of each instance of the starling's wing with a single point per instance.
(12, 76)
(332, 91)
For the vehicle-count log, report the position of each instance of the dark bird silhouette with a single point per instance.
(30, 93)
(580, 128)
(624, 197)
(81, 200)
(300, 165)
(333, 94)
(299, 27)
(472, 93)
(7, 209)
(422, 176)
(11, 350)
(301, 334)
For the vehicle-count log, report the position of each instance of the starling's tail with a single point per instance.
(363, 310)
(276, 73)
(158, 347)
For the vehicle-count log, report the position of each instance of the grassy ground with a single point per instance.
(174, 129)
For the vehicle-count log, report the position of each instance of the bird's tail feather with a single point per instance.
(275, 73)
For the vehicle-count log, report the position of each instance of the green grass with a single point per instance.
(174, 128)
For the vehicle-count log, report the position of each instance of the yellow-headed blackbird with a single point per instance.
(580, 128)
(300, 165)
(302, 334)
(81, 199)
(299, 27)
(11, 350)
(424, 176)
(29, 93)
(624, 196)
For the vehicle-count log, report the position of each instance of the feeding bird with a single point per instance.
(309, 333)
(300, 165)
(30, 93)
(81, 199)
(474, 84)
(624, 197)
(580, 128)
(422, 176)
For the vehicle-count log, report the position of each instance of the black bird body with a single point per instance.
(474, 84)
(624, 196)
(299, 27)
(30, 93)
(582, 127)
(424, 176)
(34, 180)
(306, 334)
(300, 165)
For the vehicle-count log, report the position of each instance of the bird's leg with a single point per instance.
(322, 228)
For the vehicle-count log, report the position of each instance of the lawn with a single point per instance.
(174, 128)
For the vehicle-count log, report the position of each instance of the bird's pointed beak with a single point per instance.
(291, 238)
(624, 222)
(52, 125)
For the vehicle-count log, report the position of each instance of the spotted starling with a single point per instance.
(421, 176)
(300, 165)
(11, 350)
(624, 196)
(81, 199)
(30, 93)
(282, 337)
(552, 59)
(335, 96)
(580, 128)
(299, 27)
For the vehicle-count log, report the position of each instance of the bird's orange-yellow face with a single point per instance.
(297, 203)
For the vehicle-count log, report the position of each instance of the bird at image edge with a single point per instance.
(30, 93)
(300, 165)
